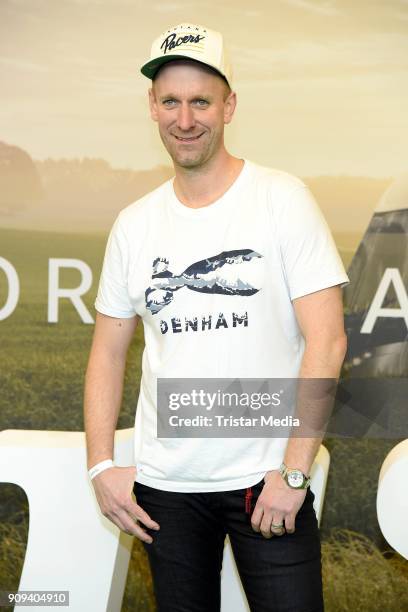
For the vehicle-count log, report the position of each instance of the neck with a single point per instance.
(198, 187)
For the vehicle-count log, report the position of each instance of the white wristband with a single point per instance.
(100, 467)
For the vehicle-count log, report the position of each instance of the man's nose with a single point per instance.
(185, 117)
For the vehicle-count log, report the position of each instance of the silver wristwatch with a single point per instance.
(295, 478)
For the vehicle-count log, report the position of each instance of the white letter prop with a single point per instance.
(13, 289)
(54, 291)
(392, 498)
(71, 545)
(391, 275)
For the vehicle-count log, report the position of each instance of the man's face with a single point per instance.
(191, 106)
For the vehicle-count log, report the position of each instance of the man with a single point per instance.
(234, 273)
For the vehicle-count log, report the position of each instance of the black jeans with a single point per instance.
(279, 574)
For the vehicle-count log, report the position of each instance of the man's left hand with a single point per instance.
(277, 505)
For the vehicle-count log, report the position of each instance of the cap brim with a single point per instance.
(150, 68)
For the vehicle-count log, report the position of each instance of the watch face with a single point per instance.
(295, 478)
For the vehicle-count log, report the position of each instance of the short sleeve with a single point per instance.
(309, 254)
(113, 298)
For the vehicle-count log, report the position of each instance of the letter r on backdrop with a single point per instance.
(55, 292)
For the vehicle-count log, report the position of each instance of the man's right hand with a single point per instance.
(113, 489)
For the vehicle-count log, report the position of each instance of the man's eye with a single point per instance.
(169, 102)
(201, 102)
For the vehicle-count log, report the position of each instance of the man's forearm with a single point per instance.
(102, 401)
(319, 362)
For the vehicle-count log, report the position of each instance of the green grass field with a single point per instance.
(41, 382)
(44, 363)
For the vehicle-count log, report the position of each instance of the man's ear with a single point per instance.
(229, 106)
(152, 104)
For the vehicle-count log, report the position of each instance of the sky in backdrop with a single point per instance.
(322, 85)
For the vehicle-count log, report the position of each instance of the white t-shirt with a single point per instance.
(262, 244)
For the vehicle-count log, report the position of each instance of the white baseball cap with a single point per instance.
(189, 41)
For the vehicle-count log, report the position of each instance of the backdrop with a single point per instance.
(322, 93)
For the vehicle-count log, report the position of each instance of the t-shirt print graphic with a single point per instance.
(226, 273)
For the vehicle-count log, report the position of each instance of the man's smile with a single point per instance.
(189, 138)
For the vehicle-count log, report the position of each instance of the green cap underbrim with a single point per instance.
(150, 69)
